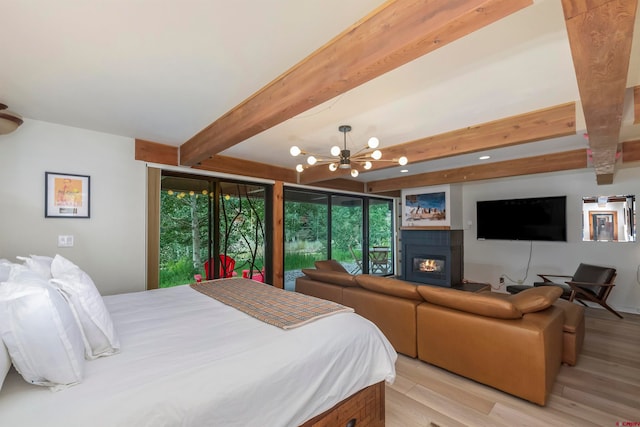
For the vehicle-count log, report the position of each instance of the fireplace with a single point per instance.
(434, 265)
(432, 257)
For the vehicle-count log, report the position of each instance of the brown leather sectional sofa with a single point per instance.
(515, 343)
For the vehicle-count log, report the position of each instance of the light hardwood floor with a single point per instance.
(603, 389)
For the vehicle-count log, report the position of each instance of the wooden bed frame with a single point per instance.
(363, 409)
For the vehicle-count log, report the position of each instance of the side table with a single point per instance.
(472, 287)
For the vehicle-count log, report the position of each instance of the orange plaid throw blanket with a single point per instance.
(284, 309)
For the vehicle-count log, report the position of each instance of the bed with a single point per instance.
(187, 359)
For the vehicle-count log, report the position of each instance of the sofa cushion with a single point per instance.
(535, 299)
(470, 302)
(566, 289)
(395, 317)
(573, 315)
(330, 264)
(328, 276)
(308, 286)
(389, 286)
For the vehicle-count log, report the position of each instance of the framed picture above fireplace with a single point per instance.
(426, 207)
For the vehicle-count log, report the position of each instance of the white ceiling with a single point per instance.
(164, 70)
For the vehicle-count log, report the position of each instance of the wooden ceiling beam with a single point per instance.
(392, 35)
(568, 160)
(165, 154)
(636, 105)
(321, 173)
(343, 184)
(631, 151)
(154, 152)
(242, 167)
(600, 34)
(537, 125)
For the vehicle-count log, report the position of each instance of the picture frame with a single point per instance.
(67, 195)
(603, 226)
(426, 207)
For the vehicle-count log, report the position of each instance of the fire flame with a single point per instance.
(429, 265)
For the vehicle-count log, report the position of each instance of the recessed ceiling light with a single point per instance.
(484, 157)
(404, 170)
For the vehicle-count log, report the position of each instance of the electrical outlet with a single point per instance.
(501, 280)
(520, 282)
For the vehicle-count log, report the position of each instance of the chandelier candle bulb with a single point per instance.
(295, 151)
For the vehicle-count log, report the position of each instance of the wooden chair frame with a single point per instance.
(583, 291)
(599, 296)
(357, 260)
(565, 290)
(379, 261)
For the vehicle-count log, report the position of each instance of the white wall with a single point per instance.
(109, 246)
(486, 261)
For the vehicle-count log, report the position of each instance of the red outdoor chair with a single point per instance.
(257, 275)
(227, 264)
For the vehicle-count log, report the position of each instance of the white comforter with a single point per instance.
(188, 360)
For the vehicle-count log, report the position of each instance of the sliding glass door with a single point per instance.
(242, 230)
(381, 232)
(351, 229)
(346, 232)
(210, 228)
(306, 215)
(185, 227)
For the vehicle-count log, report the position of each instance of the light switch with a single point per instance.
(65, 241)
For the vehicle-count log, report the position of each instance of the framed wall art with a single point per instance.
(66, 195)
(426, 207)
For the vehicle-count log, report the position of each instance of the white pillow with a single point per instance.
(93, 316)
(5, 359)
(5, 362)
(20, 272)
(5, 269)
(38, 264)
(41, 332)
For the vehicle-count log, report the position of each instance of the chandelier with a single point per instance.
(342, 158)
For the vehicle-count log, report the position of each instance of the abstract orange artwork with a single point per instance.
(68, 192)
(66, 195)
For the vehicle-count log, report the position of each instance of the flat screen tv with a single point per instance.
(537, 218)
